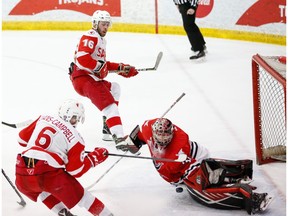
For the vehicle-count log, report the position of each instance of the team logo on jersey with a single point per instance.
(264, 12)
(30, 171)
(92, 32)
(32, 7)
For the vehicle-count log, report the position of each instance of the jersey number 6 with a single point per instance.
(45, 137)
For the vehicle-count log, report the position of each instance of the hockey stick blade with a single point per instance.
(157, 62)
(22, 201)
(158, 59)
(18, 125)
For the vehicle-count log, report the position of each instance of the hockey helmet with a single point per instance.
(162, 131)
(100, 15)
(72, 108)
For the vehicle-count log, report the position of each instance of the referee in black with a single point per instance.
(188, 9)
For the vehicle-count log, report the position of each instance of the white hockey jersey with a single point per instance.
(51, 139)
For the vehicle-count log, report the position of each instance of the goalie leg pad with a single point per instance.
(236, 196)
(234, 170)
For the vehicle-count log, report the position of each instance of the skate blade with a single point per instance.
(107, 137)
(264, 205)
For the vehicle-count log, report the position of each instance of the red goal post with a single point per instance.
(269, 101)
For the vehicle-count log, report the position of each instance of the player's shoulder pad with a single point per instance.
(92, 33)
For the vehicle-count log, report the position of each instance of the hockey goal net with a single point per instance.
(269, 100)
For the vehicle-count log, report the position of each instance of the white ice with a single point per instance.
(216, 111)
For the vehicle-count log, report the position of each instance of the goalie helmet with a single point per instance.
(72, 108)
(100, 15)
(162, 131)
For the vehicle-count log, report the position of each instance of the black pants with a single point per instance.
(194, 34)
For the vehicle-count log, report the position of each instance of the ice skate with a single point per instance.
(65, 212)
(260, 202)
(106, 131)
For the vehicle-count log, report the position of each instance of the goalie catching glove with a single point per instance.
(130, 143)
(126, 144)
(127, 70)
(97, 156)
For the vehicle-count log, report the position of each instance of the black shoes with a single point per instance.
(199, 54)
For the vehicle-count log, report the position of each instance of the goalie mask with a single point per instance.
(100, 15)
(72, 111)
(162, 131)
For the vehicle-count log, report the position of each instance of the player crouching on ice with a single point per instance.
(54, 158)
(217, 183)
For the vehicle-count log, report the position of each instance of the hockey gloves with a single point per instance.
(126, 144)
(101, 70)
(127, 70)
(97, 156)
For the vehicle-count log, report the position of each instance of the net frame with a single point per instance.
(268, 146)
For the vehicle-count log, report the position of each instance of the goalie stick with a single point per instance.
(157, 62)
(22, 201)
(177, 100)
(18, 125)
(181, 157)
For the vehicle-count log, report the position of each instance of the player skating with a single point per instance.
(89, 70)
(54, 157)
(217, 183)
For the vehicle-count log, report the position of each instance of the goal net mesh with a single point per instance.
(269, 91)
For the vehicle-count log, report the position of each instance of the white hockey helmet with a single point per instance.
(71, 108)
(100, 15)
(162, 131)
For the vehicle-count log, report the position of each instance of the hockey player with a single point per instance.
(54, 158)
(88, 73)
(216, 183)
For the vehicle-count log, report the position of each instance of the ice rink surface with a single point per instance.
(216, 111)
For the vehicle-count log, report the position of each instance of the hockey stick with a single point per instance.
(157, 62)
(181, 158)
(22, 202)
(18, 125)
(92, 185)
(177, 100)
(158, 59)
